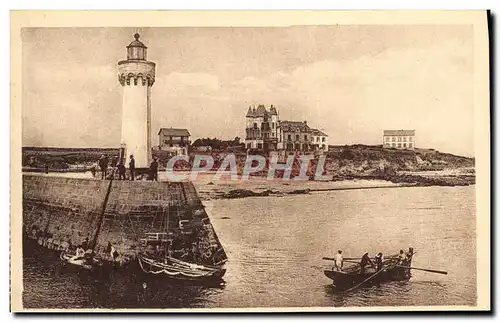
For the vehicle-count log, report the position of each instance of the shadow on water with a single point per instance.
(48, 284)
(381, 294)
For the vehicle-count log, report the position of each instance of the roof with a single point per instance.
(318, 132)
(399, 132)
(174, 132)
(261, 111)
(292, 126)
(136, 42)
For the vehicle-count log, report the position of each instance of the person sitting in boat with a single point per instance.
(339, 261)
(114, 253)
(365, 260)
(85, 244)
(79, 253)
(409, 255)
(401, 257)
(88, 255)
(159, 252)
(379, 259)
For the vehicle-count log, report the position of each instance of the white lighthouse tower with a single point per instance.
(137, 76)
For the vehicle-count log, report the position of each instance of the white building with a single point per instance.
(137, 76)
(262, 129)
(173, 140)
(399, 139)
(319, 140)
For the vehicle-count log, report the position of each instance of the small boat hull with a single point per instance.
(79, 262)
(179, 270)
(345, 280)
(393, 269)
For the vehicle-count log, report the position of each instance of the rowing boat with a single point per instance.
(353, 276)
(180, 270)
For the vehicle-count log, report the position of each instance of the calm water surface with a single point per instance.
(275, 246)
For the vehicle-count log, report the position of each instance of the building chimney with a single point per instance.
(305, 122)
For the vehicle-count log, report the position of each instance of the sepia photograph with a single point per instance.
(250, 161)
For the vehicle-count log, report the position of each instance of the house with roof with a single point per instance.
(300, 137)
(319, 140)
(174, 140)
(265, 131)
(262, 129)
(399, 139)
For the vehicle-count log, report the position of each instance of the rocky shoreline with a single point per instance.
(262, 188)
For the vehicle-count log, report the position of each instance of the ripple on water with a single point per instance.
(275, 246)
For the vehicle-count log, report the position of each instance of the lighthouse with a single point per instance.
(136, 75)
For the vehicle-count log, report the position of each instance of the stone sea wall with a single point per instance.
(60, 213)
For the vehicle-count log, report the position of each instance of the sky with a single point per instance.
(352, 82)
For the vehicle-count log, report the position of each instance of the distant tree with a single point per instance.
(198, 142)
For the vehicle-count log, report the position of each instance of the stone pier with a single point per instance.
(61, 212)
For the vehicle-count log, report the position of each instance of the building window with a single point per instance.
(305, 137)
(289, 137)
(399, 139)
(323, 139)
(410, 138)
(259, 145)
(404, 145)
(394, 145)
(393, 139)
(273, 125)
(255, 126)
(297, 137)
(410, 145)
(249, 145)
(399, 145)
(404, 138)
(166, 142)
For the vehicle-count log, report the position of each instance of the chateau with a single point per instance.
(266, 132)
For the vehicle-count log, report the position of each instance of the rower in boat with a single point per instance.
(379, 260)
(339, 261)
(401, 257)
(85, 244)
(89, 256)
(365, 260)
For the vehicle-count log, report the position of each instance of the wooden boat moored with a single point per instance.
(180, 270)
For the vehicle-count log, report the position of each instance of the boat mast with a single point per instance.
(168, 234)
(97, 229)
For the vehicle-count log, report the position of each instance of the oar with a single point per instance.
(425, 269)
(366, 280)
(346, 258)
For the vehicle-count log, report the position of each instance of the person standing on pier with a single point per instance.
(154, 170)
(114, 164)
(103, 164)
(121, 170)
(131, 166)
